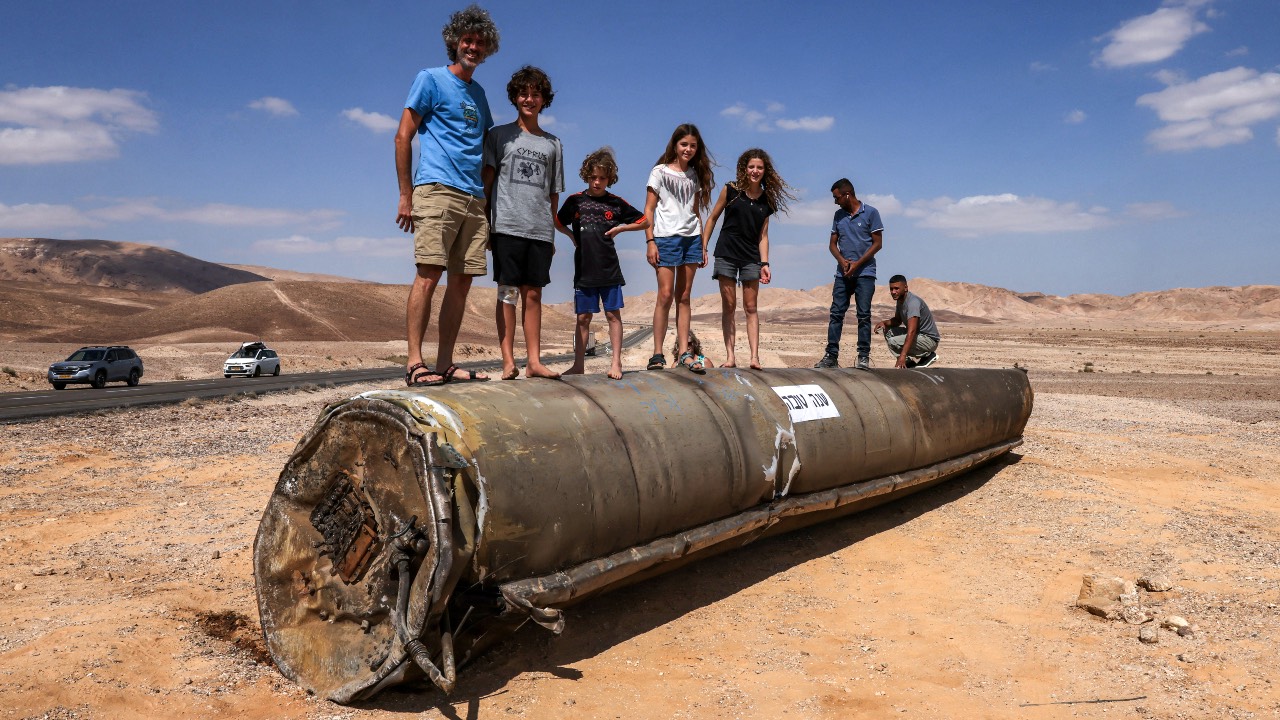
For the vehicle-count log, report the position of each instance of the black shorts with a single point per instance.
(519, 261)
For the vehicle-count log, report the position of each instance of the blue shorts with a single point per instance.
(586, 301)
(679, 250)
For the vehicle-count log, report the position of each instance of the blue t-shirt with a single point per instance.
(455, 116)
(853, 236)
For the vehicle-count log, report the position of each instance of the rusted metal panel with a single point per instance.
(410, 529)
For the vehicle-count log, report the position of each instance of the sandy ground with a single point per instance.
(127, 586)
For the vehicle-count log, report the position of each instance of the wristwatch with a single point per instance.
(764, 264)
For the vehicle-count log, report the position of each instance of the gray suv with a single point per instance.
(97, 366)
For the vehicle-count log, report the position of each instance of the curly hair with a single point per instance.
(695, 345)
(776, 190)
(534, 79)
(471, 19)
(701, 163)
(601, 159)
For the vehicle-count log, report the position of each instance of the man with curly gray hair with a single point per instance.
(443, 203)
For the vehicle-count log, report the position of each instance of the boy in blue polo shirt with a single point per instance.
(595, 216)
(856, 236)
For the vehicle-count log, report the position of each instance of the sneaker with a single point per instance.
(926, 360)
(828, 361)
(864, 363)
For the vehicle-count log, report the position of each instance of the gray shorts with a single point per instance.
(730, 271)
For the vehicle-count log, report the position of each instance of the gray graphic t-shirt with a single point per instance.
(529, 168)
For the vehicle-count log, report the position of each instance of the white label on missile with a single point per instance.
(807, 402)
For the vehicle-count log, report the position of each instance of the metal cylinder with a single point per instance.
(412, 529)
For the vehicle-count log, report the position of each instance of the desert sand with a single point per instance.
(126, 536)
(128, 589)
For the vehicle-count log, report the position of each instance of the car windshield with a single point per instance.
(249, 351)
(86, 356)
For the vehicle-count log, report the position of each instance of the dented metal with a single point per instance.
(412, 529)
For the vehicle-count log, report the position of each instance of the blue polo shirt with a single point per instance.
(853, 235)
(455, 116)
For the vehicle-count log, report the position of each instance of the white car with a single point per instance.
(252, 360)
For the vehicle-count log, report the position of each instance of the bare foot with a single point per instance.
(510, 374)
(575, 370)
(615, 373)
(541, 371)
(730, 364)
(755, 364)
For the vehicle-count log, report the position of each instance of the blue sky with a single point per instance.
(1062, 147)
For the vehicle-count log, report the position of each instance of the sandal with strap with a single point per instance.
(692, 364)
(657, 362)
(469, 376)
(413, 377)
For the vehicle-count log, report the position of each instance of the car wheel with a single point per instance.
(59, 386)
(133, 378)
(257, 371)
(277, 370)
(100, 380)
(226, 376)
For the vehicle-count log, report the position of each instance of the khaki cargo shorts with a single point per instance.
(450, 229)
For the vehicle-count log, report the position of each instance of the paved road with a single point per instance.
(83, 398)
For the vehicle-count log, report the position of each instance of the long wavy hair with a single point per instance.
(471, 19)
(776, 190)
(701, 163)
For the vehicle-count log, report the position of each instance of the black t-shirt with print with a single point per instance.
(595, 260)
(739, 240)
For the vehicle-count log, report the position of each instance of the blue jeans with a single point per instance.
(861, 288)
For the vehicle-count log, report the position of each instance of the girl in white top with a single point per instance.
(679, 190)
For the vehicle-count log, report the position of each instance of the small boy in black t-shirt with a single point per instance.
(595, 216)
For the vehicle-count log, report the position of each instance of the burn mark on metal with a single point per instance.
(456, 514)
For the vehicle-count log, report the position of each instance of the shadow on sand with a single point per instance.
(603, 622)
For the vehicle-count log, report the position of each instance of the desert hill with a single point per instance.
(271, 273)
(121, 265)
(82, 291)
(287, 311)
(29, 308)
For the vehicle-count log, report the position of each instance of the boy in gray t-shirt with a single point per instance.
(911, 333)
(523, 177)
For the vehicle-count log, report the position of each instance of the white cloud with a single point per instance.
(292, 245)
(399, 246)
(274, 106)
(39, 216)
(768, 120)
(1038, 66)
(546, 120)
(981, 215)
(347, 245)
(1238, 52)
(65, 124)
(1155, 37)
(242, 216)
(375, 121)
(1075, 117)
(819, 212)
(811, 124)
(1214, 110)
(886, 204)
(1154, 211)
(98, 211)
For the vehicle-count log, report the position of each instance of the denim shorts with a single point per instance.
(729, 271)
(586, 301)
(679, 250)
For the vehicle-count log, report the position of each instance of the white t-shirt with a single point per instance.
(676, 194)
